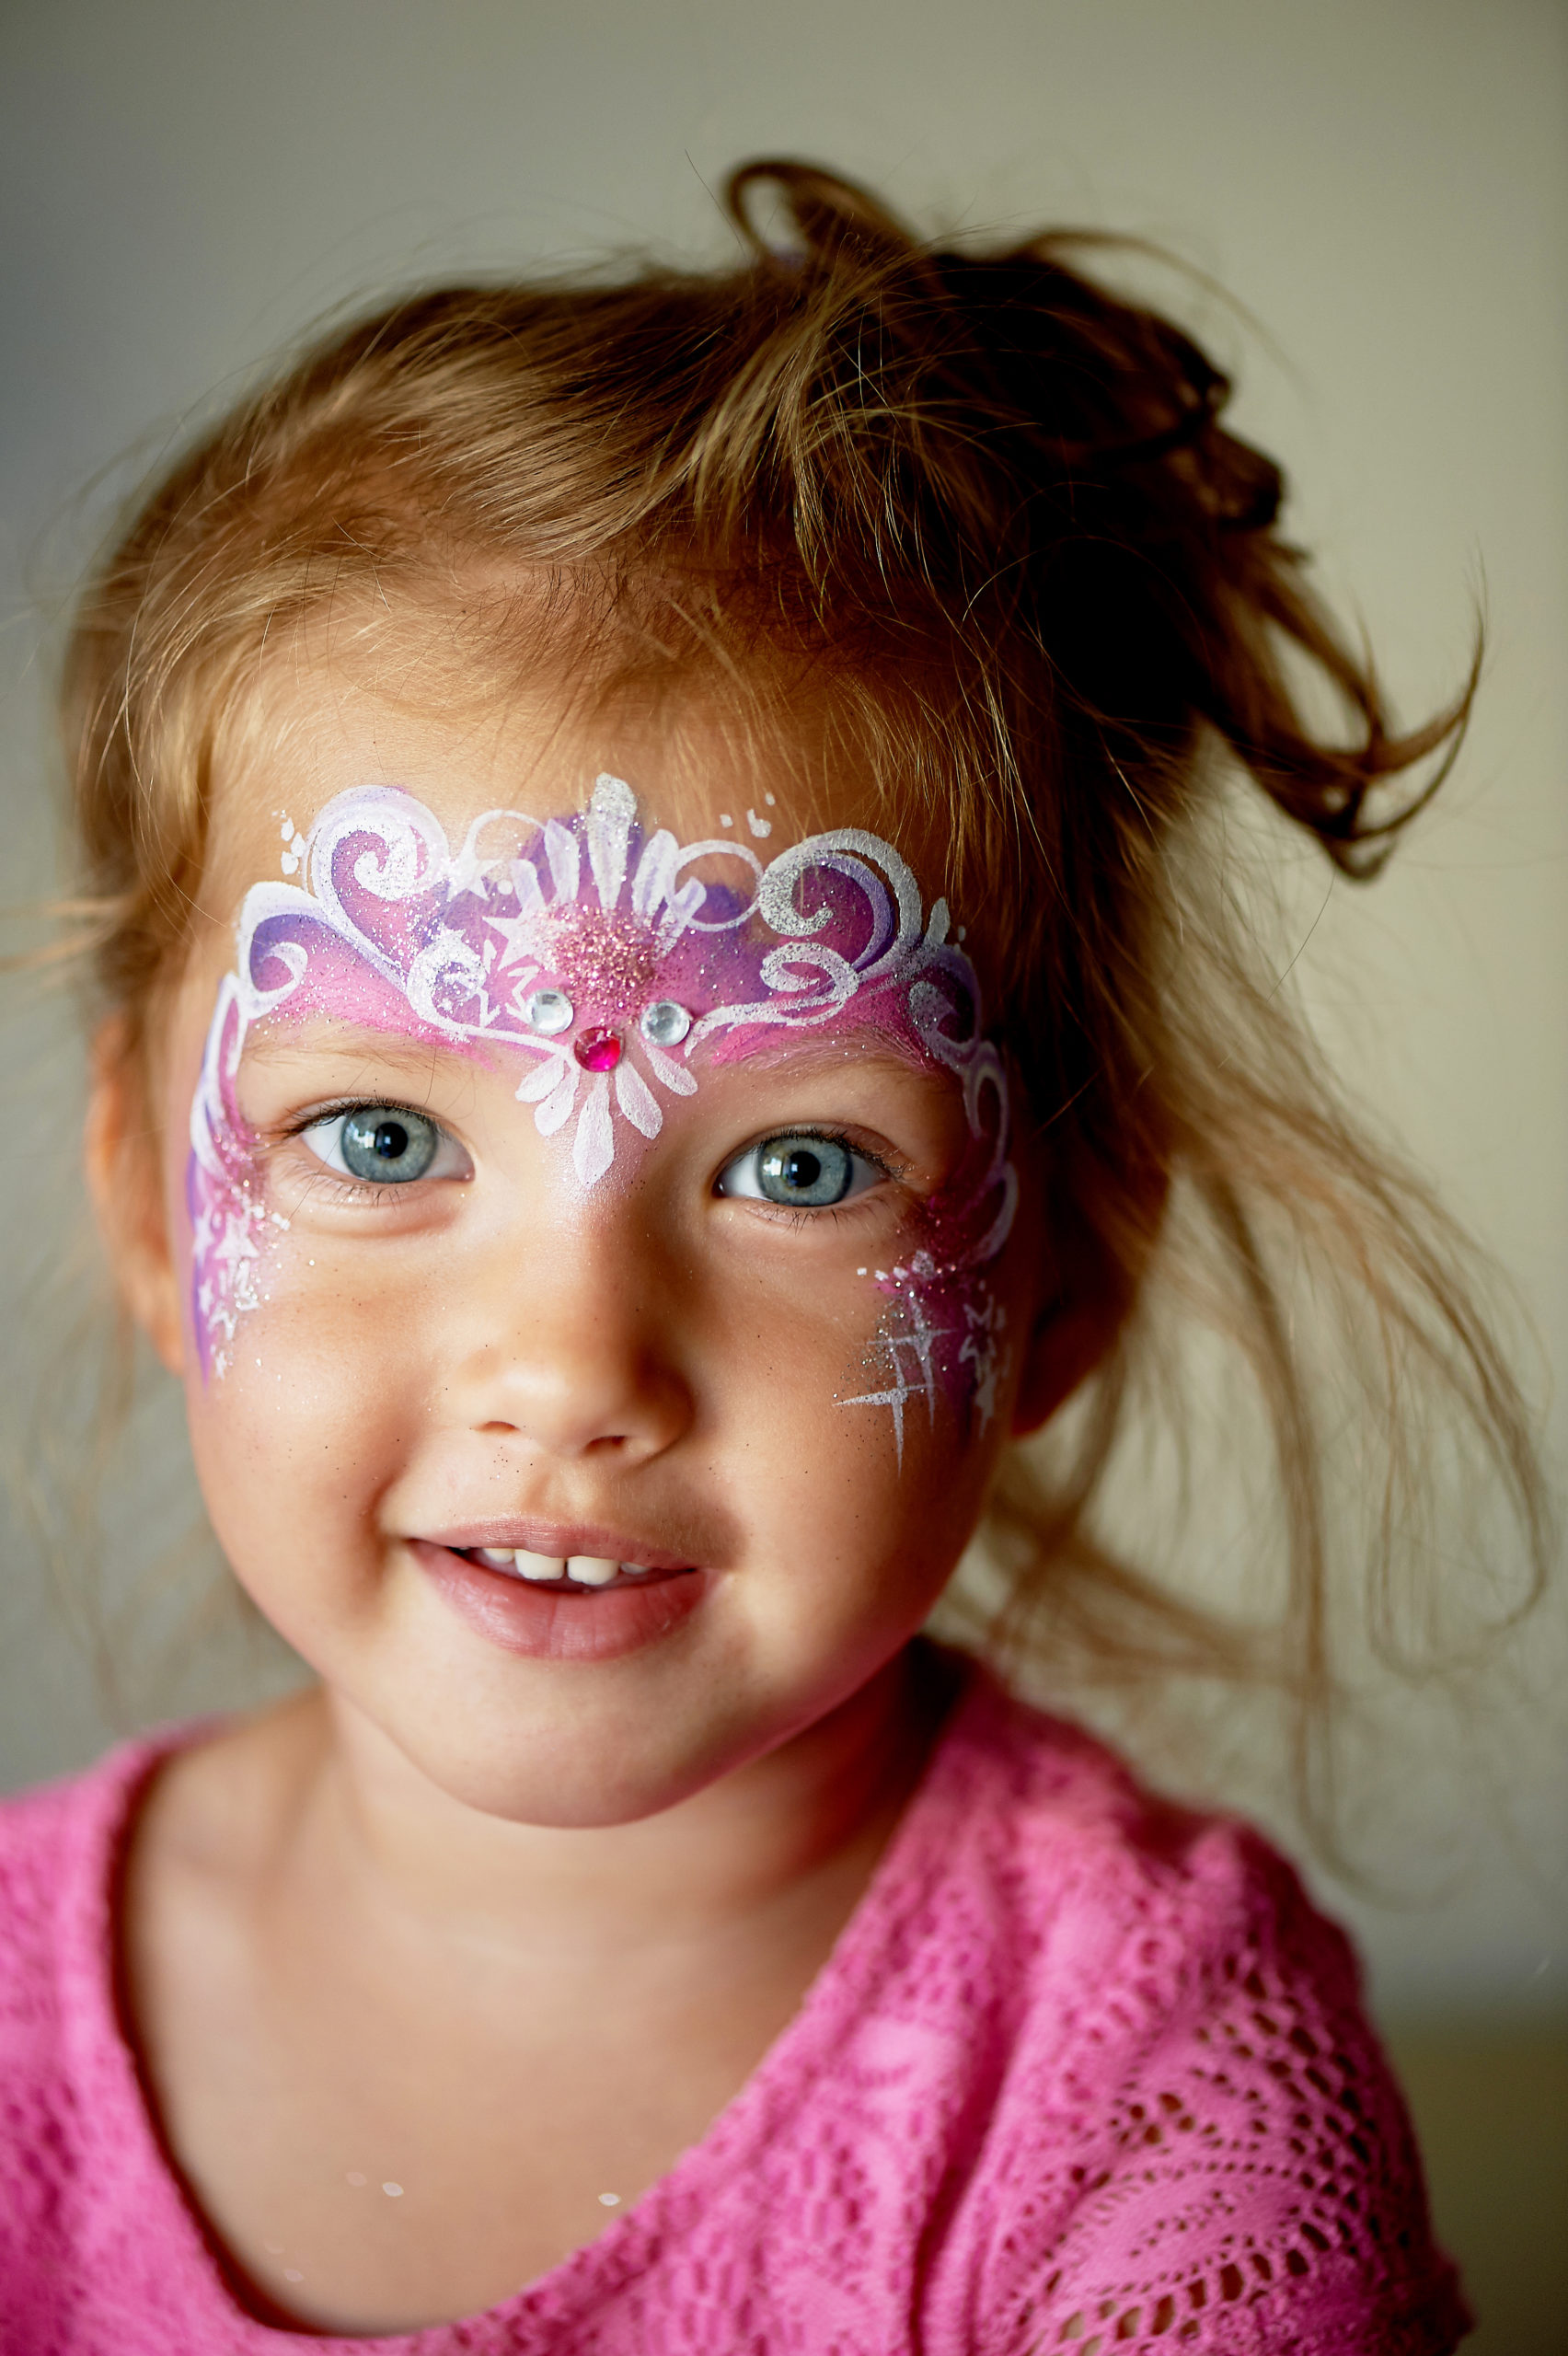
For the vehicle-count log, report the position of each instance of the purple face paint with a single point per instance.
(588, 948)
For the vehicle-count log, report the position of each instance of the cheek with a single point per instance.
(940, 1359)
(878, 1412)
(317, 1395)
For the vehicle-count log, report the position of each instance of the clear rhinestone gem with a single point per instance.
(549, 1011)
(664, 1023)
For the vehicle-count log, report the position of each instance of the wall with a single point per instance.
(1382, 183)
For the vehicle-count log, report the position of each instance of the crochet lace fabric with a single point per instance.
(1084, 2073)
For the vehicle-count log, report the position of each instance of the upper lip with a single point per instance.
(558, 1541)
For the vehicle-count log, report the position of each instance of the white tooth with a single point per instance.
(539, 1566)
(635, 1570)
(495, 1556)
(592, 1570)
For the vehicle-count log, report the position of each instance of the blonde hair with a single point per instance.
(991, 507)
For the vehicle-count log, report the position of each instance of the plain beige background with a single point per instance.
(1382, 183)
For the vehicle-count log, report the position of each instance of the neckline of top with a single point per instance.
(120, 2111)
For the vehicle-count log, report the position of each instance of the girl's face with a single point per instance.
(521, 1212)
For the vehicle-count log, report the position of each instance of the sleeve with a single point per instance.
(1247, 2182)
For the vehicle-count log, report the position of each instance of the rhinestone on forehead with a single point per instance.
(664, 1023)
(549, 1012)
(597, 1050)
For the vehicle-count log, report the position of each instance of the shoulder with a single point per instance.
(46, 1838)
(56, 1844)
(1089, 1864)
(1196, 2132)
(63, 1848)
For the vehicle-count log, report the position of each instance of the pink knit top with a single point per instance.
(1083, 2072)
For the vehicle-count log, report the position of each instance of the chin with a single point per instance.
(566, 1777)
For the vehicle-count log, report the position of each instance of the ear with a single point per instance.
(125, 1183)
(1066, 1343)
(1076, 1326)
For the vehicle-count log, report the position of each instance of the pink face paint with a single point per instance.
(589, 947)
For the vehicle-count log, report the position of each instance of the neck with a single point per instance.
(372, 1828)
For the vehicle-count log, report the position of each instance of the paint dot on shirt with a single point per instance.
(293, 2274)
(610, 2200)
(725, 819)
(354, 2176)
(393, 2191)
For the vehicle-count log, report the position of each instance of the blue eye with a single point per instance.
(803, 1171)
(385, 1145)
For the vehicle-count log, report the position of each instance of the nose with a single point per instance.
(573, 1343)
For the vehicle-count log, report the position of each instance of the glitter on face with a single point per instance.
(590, 947)
(604, 960)
(907, 1349)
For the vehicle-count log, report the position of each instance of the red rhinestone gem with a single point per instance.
(597, 1050)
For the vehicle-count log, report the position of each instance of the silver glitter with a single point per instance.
(918, 1339)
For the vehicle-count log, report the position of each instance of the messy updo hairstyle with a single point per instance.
(991, 509)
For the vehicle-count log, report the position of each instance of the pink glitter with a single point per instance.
(597, 1050)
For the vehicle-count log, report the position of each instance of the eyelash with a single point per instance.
(341, 1186)
(363, 1192)
(802, 1217)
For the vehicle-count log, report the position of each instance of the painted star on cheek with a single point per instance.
(932, 1304)
(908, 1352)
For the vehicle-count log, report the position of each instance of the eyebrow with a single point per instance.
(318, 1036)
(866, 1040)
(809, 1055)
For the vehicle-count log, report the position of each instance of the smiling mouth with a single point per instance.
(570, 1574)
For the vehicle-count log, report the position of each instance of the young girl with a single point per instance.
(657, 1011)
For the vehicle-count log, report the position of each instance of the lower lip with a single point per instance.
(548, 1623)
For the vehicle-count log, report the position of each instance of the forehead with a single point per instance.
(399, 842)
(398, 706)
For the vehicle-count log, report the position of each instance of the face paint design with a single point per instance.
(589, 947)
(963, 1357)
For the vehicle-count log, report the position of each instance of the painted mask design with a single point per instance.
(589, 947)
